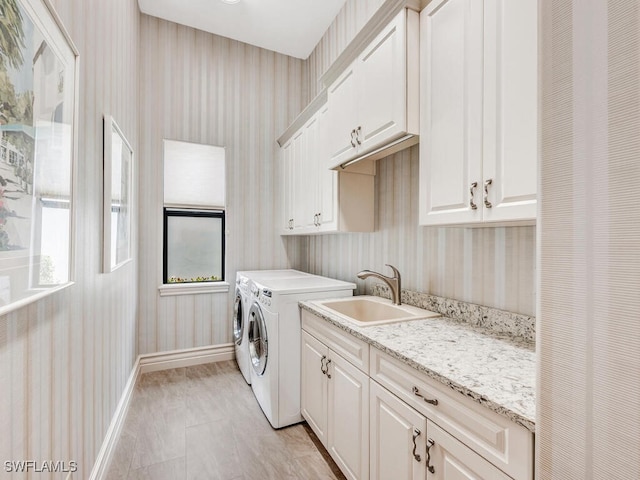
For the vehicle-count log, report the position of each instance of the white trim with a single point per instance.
(193, 288)
(189, 357)
(101, 466)
(152, 362)
(45, 292)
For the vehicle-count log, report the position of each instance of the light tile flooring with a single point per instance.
(203, 422)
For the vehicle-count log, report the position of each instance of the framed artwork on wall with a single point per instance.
(118, 194)
(38, 142)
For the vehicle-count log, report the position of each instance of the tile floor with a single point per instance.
(203, 422)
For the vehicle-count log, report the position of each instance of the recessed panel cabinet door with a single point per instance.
(453, 460)
(309, 185)
(451, 112)
(342, 100)
(511, 109)
(313, 396)
(298, 176)
(348, 424)
(327, 179)
(382, 87)
(287, 182)
(398, 438)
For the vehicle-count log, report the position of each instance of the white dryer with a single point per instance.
(240, 323)
(241, 306)
(274, 341)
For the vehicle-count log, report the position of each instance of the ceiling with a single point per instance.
(291, 27)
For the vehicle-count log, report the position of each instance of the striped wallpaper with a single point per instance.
(198, 87)
(64, 360)
(588, 322)
(489, 266)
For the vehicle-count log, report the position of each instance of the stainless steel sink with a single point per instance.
(369, 310)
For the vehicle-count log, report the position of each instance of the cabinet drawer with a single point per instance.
(450, 458)
(504, 443)
(354, 350)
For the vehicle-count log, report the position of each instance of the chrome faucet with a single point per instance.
(393, 282)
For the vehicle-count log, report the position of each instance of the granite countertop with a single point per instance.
(497, 371)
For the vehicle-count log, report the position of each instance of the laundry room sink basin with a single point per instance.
(370, 310)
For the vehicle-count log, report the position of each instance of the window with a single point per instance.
(194, 213)
(194, 245)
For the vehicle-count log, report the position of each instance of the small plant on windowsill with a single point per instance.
(212, 278)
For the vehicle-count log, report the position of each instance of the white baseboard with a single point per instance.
(189, 357)
(103, 460)
(152, 362)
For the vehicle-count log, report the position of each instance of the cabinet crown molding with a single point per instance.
(387, 11)
(303, 117)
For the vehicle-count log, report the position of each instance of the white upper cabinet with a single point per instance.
(342, 99)
(317, 199)
(478, 158)
(375, 100)
(510, 153)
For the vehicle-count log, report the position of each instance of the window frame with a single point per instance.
(192, 213)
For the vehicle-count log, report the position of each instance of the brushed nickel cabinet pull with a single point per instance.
(487, 183)
(472, 192)
(416, 434)
(417, 393)
(430, 443)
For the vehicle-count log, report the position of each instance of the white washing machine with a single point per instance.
(274, 341)
(241, 306)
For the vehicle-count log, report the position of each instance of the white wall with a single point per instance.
(588, 421)
(64, 360)
(488, 266)
(198, 87)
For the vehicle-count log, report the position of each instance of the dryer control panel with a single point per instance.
(265, 297)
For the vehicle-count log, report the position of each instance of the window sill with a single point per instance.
(192, 288)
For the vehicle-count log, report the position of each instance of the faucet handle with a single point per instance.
(396, 273)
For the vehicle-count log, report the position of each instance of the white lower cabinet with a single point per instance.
(397, 443)
(348, 419)
(335, 403)
(381, 419)
(451, 459)
(406, 446)
(314, 400)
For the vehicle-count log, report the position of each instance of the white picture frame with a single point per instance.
(38, 149)
(118, 197)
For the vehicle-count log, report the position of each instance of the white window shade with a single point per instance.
(194, 175)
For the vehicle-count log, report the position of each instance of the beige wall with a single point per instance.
(488, 266)
(64, 360)
(588, 419)
(198, 87)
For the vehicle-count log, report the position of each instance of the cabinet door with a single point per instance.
(451, 112)
(397, 439)
(309, 187)
(348, 425)
(287, 183)
(313, 389)
(452, 460)
(298, 178)
(382, 87)
(327, 179)
(342, 102)
(511, 108)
